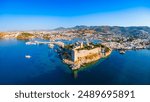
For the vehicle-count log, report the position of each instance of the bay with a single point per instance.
(45, 67)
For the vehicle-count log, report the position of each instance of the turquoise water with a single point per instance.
(46, 68)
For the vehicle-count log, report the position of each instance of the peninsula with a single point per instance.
(80, 54)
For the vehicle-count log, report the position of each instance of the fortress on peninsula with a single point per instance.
(79, 54)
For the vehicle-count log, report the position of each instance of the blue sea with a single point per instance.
(45, 67)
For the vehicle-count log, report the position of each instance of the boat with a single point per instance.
(27, 56)
(51, 45)
(31, 43)
(122, 52)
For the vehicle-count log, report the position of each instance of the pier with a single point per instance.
(59, 43)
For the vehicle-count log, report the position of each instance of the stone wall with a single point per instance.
(76, 55)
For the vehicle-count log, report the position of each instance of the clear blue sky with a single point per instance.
(47, 14)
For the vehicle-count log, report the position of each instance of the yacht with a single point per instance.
(122, 51)
(27, 56)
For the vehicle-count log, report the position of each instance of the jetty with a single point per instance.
(50, 43)
(37, 42)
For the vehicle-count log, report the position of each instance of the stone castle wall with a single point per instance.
(83, 53)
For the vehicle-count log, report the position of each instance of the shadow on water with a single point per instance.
(86, 67)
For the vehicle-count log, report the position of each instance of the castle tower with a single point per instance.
(87, 42)
(74, 55)
(81, 45)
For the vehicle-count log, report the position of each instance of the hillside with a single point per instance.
(135, 31)
(25, 36)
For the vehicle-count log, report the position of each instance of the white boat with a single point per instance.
(27, 56)
(51, 45)
(31, 43)
(122, 52)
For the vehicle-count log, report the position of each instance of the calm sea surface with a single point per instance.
(45, 67)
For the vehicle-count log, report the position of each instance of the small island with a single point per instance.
(79, 54)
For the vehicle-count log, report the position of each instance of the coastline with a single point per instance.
(79, 54)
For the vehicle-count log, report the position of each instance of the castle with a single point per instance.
(79, 53)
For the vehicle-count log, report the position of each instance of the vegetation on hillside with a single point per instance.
(70, 47)
(25, 36)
